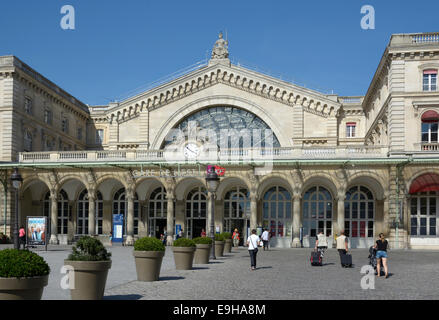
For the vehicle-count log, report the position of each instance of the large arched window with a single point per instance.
(277, 212)
(120, 206)
(63, 212)
(196, 212)
(430, 120)
(317, 213)
(236, 210)
(82, 217)
(157, 212)
(359, 215)
(227, 119)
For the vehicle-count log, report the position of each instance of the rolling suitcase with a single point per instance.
(346, 260)
(316, 259)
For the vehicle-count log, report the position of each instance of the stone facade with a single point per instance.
(330, 151)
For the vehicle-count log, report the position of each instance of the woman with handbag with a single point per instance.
(253, 244)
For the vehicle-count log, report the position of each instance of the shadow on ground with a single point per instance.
(124, 297)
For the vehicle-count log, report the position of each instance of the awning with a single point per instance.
(430, 116)
(424, 183)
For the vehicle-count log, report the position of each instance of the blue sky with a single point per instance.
(119, 46)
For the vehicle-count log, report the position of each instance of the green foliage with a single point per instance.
(184, 242)
(148, 244)
(22, 264)
(202, 240)
(219, 237)
(227, 235)
(89, 249)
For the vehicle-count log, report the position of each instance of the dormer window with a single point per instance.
(429, 82)
(350, 129)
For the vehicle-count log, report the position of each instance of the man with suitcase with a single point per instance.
(342, 247)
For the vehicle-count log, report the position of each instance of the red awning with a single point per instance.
(426, 182)
(430, 116)
(430, 71)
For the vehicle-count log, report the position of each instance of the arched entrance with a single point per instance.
(82, 216)
(237, 211)
(359, 217)
(317, 215)
(157, 212)
(196, 212)
(120, 206)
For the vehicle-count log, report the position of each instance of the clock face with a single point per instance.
(191, 150)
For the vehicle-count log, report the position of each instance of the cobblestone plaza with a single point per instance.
(282, 274)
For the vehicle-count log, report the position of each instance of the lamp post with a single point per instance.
(16, 180)
(212, 182)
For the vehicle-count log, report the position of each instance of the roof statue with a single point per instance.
(220, 51)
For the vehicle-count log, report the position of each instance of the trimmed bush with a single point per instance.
(184, 242)
(22, 264)
(89, 249)
(149, 244)
(202, 240)
(219, 237)
(227, 235)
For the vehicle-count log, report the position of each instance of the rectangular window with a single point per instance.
(65, 125)
(350, 129)
(429, 82)
(99, 136)
(28, 105)
(48, 116)
(79, 134)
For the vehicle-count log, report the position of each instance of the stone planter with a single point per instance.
(183, 257)
(22, 288)
(202, 254)
(219, 248)
(228, 246)
(148, 264)
(90, 278)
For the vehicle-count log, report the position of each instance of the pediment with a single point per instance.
(235, 76)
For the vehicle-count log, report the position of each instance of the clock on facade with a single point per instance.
(191, 150)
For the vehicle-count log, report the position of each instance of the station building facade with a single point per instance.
(364, 165)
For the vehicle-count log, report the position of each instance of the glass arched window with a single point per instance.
(277, 212)
(46, 205)
(230, 118)
(236, 210)
(63, 212)
(430, 120)
(157, 212)
(196, 212)
(27, 141)
(82, 218)
(429, 80)
(120, 206)
(359, 213)
(424, 214)
(317, 212)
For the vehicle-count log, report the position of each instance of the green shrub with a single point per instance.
(22, 264)
(89, 249)
(219, 237)
(149, 244)
(184, 242)
(202, 240)
(227, 235)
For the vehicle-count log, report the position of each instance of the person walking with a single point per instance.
(203, 233)
(321, 243)
(235, 238)
(111, 239)
(265, 238)
(22, 238)
(342, 244)
(253, 243)
(381, 247)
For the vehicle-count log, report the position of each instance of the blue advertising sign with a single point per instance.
(117, 227)
(177, 228)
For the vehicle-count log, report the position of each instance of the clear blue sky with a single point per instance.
(119, 46)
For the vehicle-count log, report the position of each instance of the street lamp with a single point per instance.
(212, 182)
(16, 180)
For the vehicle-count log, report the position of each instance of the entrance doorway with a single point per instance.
(157, 227)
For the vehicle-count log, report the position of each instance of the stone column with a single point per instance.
(297, 221)
(340, 211)
(253, 211)
(91, 213)
(130, 219)
(170, 219)
(53, 217)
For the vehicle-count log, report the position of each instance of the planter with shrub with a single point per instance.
(202, 252)
(23, 275)
(219, 245)
(91, 262)
(227, 242)
(184, 250)
(148, 254)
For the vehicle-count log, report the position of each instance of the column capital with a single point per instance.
(297, 196)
